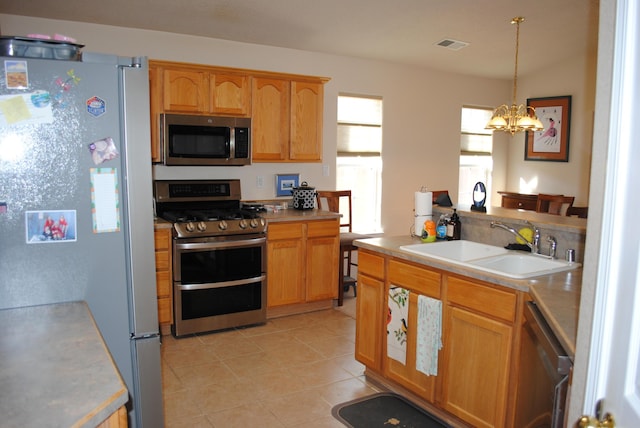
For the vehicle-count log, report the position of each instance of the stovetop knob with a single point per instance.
(254, 223)
(243, 224)
(222, 225)
(202, 226)
(190, 227)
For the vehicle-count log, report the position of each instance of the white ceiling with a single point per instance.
(402, 31)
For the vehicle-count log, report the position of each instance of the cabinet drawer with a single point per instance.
(162, 239)
(370, 264)
(164, 310)
(163, 284)
(418, 279)
(285, 231)
(323, 228)
(481, 298)
(162, 260)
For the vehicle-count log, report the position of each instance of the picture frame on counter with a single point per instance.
(552, 143)
(285, 184)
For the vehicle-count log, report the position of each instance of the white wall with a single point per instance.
(421, 117)
(575, 76)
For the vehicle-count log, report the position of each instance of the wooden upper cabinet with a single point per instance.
(202, 91)
(230, 94)
(270, 119)
(186, 91)
(287, 120)
(155, 107)
(306, 121)
(286, 109)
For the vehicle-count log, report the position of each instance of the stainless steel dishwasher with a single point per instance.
(543, 376)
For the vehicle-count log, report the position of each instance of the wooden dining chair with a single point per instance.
(554, 204)
(330, 200)
(580, 212)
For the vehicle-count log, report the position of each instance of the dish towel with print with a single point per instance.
(429, 340)
(397, 317)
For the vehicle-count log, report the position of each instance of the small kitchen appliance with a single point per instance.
(191, 140)
(304, 197)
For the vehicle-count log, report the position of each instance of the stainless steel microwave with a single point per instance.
(191, 140)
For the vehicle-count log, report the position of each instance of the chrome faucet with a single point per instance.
(553, 244)
(534, 245)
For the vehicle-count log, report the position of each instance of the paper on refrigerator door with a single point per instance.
(104, 200)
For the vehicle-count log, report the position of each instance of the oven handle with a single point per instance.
(219, 244)
(220, 284)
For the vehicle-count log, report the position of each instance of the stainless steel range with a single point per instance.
(219, 248)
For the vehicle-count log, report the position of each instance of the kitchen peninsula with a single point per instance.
(482, 315)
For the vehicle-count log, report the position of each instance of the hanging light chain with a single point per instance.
(517, 20)
(515, 118)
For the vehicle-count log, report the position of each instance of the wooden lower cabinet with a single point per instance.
(302, 262)
(479, 348)
(162, 238)
(370, 318)
(419, 281)
(480, 337)
(118, 419)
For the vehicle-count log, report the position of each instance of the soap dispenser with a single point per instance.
(454, 228)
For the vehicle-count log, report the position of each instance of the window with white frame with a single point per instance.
(476, 145)
(359, 161)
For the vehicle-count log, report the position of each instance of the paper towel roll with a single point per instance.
(423, 203)
(419, 223)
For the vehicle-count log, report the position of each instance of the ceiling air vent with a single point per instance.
(454, 45)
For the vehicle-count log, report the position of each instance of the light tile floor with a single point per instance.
(287, 373)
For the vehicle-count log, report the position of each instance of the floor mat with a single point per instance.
(384, 410)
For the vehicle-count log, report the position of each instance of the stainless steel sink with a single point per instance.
(490, 258)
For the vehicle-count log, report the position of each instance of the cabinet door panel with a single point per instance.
(369, 322)
(230, 94)
(477, 352)
(186, 91)
(418, 279)
(500, 303)
(371, 264)
(306, 121)
(285, 267)
(322, 268)
(406, 374)
(323, 228)
(270, 119)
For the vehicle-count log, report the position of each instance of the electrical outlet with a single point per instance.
(325, 170)
(260, 182)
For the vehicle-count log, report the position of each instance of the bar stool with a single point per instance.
(332, 198)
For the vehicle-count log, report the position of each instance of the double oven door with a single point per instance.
(218, 283)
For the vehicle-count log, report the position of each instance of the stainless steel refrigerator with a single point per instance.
(76, 205)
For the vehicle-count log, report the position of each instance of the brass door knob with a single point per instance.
(591, 422)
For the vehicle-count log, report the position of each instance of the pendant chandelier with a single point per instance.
(515, 118)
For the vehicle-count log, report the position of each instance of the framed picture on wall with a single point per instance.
(285, 184)
(552, 143)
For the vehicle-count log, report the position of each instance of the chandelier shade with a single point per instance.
(515, 118)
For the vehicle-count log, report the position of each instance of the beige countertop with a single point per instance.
(55, 368)
(291, 214)
(557, 295)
